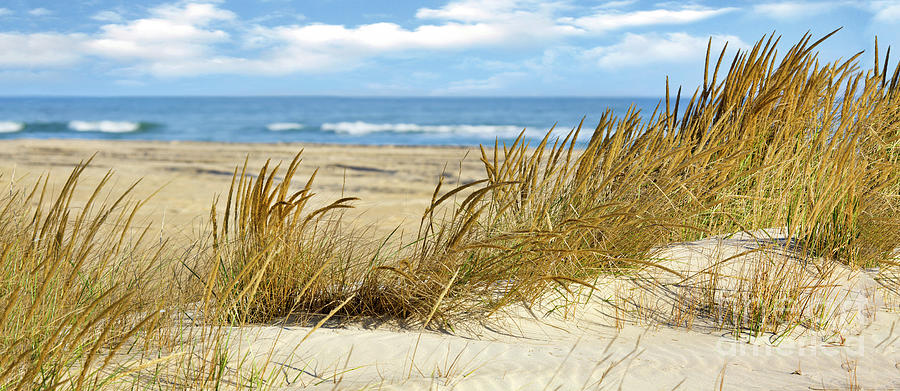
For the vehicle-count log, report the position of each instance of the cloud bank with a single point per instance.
(195, 38)
(466, 46)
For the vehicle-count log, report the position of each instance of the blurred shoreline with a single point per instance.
(394, 183)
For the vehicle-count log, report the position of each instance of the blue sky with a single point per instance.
(406, 48)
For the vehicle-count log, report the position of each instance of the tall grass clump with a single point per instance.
(781, 141)
(275, 255)
(503, 240)
(807, 146)
(70, 292)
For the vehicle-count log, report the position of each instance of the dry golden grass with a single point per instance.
(781, 141)
(73, 280)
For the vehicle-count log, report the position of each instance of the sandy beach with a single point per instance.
(586, 349)
(394, 183)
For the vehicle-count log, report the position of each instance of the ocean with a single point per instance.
(336, 120)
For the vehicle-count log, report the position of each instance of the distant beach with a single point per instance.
(394, 183)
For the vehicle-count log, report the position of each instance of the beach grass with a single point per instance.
(78, 284)
(773, 142)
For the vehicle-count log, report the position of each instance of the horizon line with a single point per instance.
(339, 96)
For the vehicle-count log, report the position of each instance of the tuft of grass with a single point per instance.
(70, 287)
(779, 142)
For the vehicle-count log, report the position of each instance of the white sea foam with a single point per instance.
(361, 128)
(282, 126)
(11, 127)
(104, 126)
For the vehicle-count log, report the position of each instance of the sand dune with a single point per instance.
(587, 350)
(592, 348)
(577, 358)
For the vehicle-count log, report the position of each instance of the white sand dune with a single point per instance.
(587, 351)
(848, 298)
(575, 358)
(517, 352)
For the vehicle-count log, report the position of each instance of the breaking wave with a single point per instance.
(105, 126)
(11, 127)
(282, 126)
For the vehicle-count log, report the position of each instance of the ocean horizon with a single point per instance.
(314, 119)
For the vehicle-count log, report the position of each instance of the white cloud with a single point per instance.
(886, 11)
(389, 36)
(793, 9)
(516, 20)
(639, 49)
(40, 12)
(616, 4)
(5, 11)
(107, 16)
(199, 37)
(154, 39)
(463, 25)
(39, 50)
(482, 11)
(607, 21)
(173, 39)
(193, 13)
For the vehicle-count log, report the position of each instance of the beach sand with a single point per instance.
(585, 347)
(394, 183)
(524, 352)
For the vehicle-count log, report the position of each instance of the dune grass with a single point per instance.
(780, 141)
(74, 284)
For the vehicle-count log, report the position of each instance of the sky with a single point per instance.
(403, 48)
